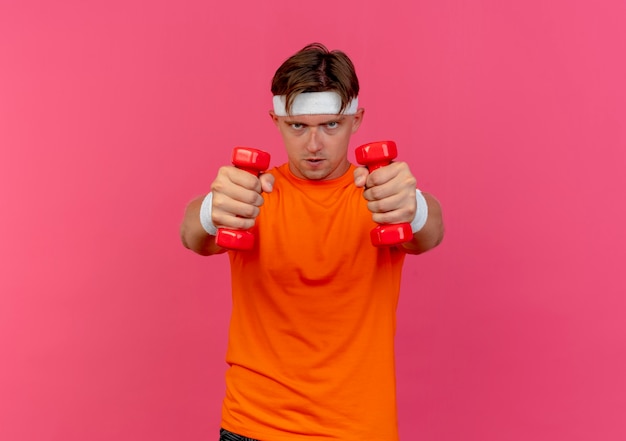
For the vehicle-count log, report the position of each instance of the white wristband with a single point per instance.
(205, 215)
(421, 215)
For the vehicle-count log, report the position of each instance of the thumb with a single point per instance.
(267, 182)
(360, 176)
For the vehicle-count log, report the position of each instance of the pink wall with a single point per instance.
(114, 114)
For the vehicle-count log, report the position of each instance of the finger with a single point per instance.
(380, 176)
(393, 171)
(267, 182)
(395, 202)
(225, 207)
(379, 192)
(391, 217)
(239, 195)
(226, 220)
(360, 176)
(238, 185)
(244, 179)
(402, 184)
(392, 211)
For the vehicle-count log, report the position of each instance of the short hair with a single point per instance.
(316, 69)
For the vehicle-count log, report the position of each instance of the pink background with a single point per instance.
(113, 115)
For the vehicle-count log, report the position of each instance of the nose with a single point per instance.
(314, 143)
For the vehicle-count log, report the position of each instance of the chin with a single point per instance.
(315, 176)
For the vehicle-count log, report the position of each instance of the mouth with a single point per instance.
(314, 160)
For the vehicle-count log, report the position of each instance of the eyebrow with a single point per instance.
(339, 118)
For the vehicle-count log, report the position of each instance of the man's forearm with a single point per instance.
(431, 233)
(193, 235)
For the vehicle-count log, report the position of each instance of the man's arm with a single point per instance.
(193, 234)
(236, 198)
(391, 195)
(431, 234)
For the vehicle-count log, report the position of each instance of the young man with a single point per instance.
(311, 343)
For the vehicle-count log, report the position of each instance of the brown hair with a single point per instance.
(316, 69)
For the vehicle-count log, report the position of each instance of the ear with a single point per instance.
(358, 118)
(274, 117)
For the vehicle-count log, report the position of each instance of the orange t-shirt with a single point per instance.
(311, 344)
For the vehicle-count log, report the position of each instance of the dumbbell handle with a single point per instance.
(374, 156)
(253, 161)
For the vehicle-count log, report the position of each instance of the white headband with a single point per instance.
(314, 103)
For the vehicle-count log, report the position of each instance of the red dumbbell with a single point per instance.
(375, 155)
(253, 161)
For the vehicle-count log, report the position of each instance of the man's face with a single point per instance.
(317, 145)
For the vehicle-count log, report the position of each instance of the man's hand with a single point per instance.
(237, 197)
(390, 192)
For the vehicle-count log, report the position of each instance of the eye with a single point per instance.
(332, 125)
(297, 126)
